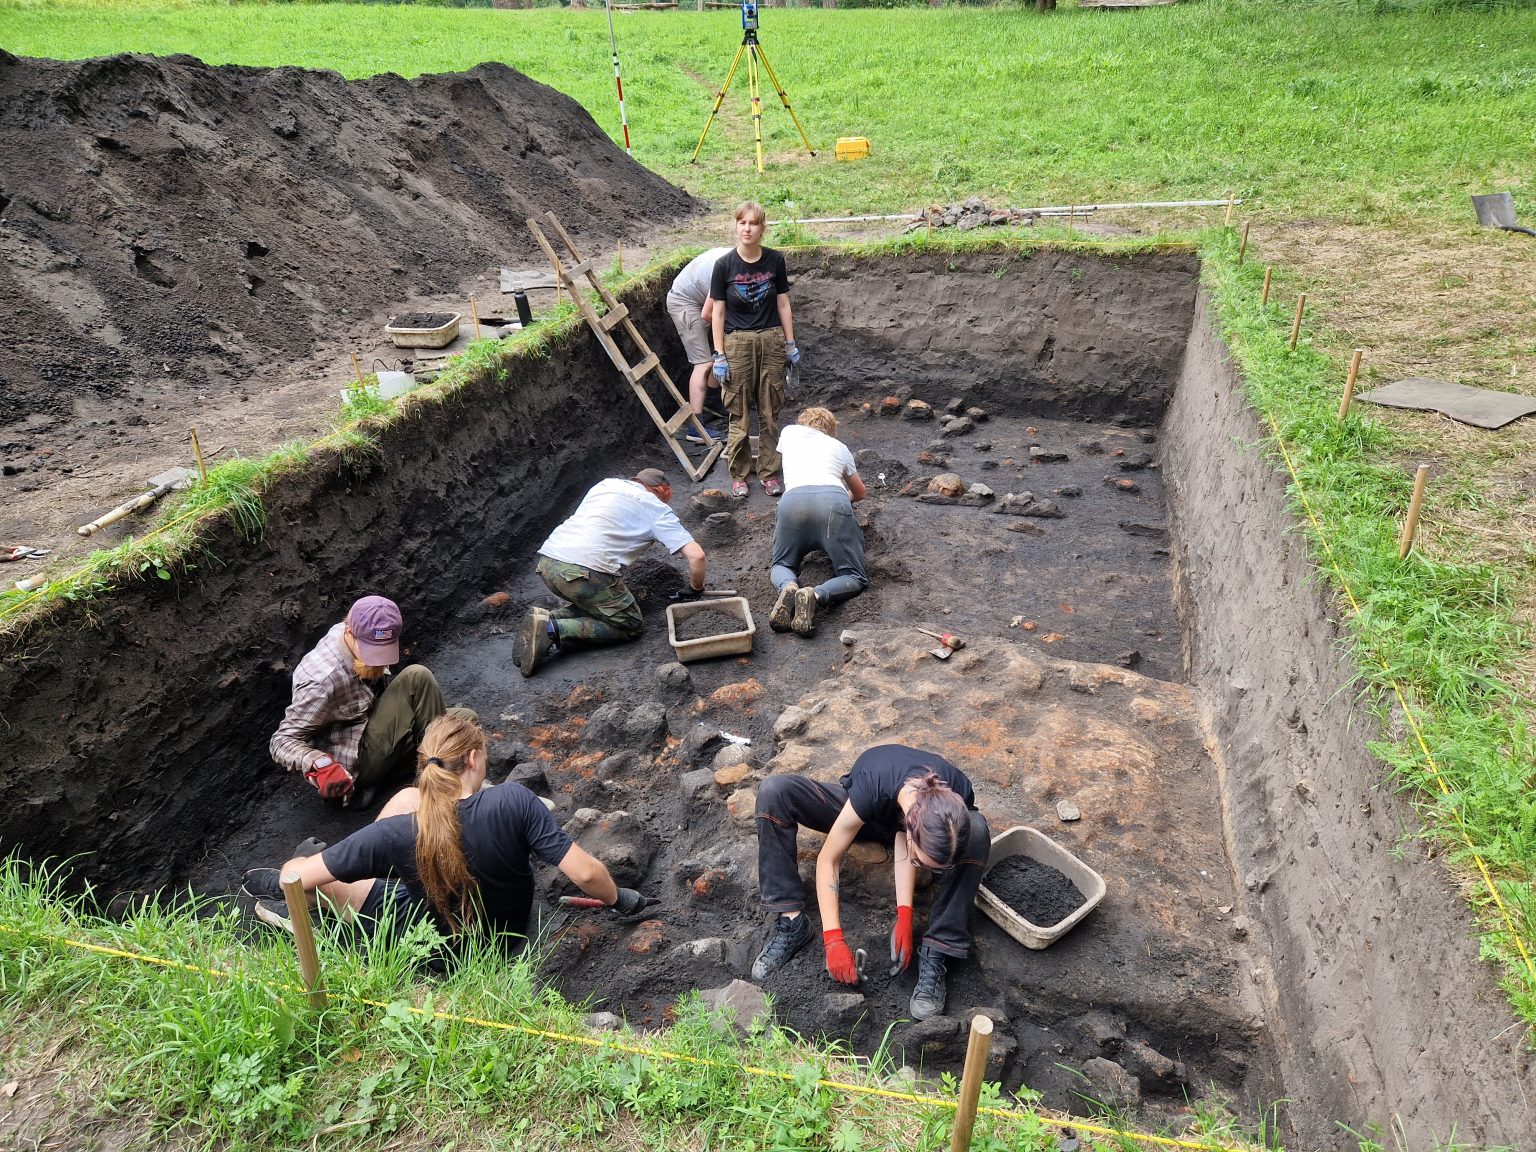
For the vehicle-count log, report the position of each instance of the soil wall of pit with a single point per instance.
(137, 724)
(1383, 1012)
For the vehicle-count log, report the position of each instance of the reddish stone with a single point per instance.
(497, 600)
(646, 938)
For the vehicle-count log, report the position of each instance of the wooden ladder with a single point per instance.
(617, 315)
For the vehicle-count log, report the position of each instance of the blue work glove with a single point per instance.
(722, 368)
(791, 352)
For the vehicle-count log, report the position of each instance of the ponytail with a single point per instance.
(937, 823)
(440, 862)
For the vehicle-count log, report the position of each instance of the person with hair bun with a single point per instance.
(462, 857)
(915, 802)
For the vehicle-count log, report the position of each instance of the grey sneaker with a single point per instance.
(804, 621)
(928, 997)
(274, 913)
(789, 936)
(534, 642)
(783, 608)
(262, 884)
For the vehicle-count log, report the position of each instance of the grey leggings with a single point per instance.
(819, 517)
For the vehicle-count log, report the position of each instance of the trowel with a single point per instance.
(167, 481)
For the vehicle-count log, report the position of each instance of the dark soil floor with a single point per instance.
(1144, 999)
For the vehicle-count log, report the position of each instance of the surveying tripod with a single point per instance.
(753, 51)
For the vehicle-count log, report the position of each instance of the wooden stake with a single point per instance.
(1349, 383)
(621, 257)
(202, 465)
(1301, 306)
(1071, 214)
(1243, 247)
(303, 938)
(1231, 200)
(474, 314)
(358, 368)
(976, 1053)
(1264, 299)
(1411, 525)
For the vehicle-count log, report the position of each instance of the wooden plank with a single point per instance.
(639, 370)
(678, 422)
(576, 270)
(615, 317)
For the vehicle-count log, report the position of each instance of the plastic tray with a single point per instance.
(437, 337)
(1024, 841)
(723, 644)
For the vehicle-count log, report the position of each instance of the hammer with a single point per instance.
(950, 643)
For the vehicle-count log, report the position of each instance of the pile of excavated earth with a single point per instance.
(1061, 474)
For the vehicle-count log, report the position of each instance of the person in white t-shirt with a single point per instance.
(821, 482)
(584, 557)
(688, 305)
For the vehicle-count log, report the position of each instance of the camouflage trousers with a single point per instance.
(599, 609)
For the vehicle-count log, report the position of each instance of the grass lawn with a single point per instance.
(1355, 138)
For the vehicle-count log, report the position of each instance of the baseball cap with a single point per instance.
(375, 623)
(651, 477)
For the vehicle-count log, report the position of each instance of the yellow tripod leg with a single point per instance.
(754, 85)
(719, 100)
(784, 99)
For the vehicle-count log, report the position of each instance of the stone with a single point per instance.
(935, 498)
(702, 740)
(497, 600)
(867, 854)
(982, 445)
(674, 677)
(1241, 927)
(916, 410)
(739, 695)
(1025, 504)
(603, 1022)
(932, 459)
(646, 726)
(938, 1038)
(1150, 1067)
(947, 484)
(978, 496)
(1038, 455)
(954, 405)
(732, 755)
(1128, 659)
(710, 501)
(623, 843)
(848, 638)
(843, 1009)
(890, 406)
(739, 1003)
(1069, 490)
(1122, 485)
(1091, 447)
(646, 938)
(1066, 811)
(1151, 531)
(980, 415)
(959, 426)
(791, 723)
(710, 949)
(1110, 1084)
(720, 528)
(697, 785)
(581, 820)
(987, 465)
(1026, 528)
(742, 805)
(1134, 463)
(616, 765)
(915, 485)
(731, 775)
(1147, 436)
(605, 726)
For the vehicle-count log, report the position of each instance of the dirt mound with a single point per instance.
(171, 225)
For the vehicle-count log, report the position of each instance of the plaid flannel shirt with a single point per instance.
(329, 709)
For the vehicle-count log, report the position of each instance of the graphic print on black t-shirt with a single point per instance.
(750, 291)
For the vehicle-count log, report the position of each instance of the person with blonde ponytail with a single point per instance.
(462, 856)
(915, 802)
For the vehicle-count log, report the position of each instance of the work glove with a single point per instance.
(685, 595)
(629, 902)
(792, 353)
(841, 965)
(901, 940)
(722, 368)
(330, 779)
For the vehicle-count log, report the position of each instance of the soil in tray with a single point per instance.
(704, 624)
(1036, 891)
(421, 320)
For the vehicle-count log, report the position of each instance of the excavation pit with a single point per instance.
(1142, 641)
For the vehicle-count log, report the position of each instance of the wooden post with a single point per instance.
(1349, 383)
(1301, 306)
(621, 257)
(1071, 214)
(358, 368)
(1264, 299)
(474, 314)
(202, 465)
(303, 938)
(1411, 525)
(1243, 247)
(1231, 200)
(976, 1053)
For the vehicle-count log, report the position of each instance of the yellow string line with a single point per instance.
(636, 1050)
(1402, 701)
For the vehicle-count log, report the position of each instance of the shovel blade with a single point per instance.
(1495, 210)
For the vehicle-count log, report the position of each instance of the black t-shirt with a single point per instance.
(750, 291)
(500, 828)
(878, 775)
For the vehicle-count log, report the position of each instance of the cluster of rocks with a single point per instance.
(969, 214)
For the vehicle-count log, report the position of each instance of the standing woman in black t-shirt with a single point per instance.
(754, 337)
(462, 858)
(916, 802)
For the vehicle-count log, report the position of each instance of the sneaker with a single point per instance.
(783, 608)
(274, 913)
(804, 620)
(714, 431)
(790, 934)
(739, 489)
(928, 997)
(534, 642)
(262, 884)
(773, 486)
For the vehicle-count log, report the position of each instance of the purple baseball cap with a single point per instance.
(375, 623)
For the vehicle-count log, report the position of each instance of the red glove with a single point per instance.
(331, 780)
(840, 962)
(901, 940)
